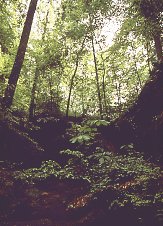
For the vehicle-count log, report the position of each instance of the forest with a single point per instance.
(81, 112)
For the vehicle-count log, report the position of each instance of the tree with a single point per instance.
(141, 124)
(97, 77)
(152, 12)
(14, 76)
(7, 32)
(111, 76)
(76, 16)
(73, 76)
(32, 105)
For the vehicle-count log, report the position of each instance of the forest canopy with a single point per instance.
(82, 57)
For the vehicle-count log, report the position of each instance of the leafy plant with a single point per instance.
(33, 175)
(85, 132)
(132, 176)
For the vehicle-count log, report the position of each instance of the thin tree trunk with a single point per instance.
(33, 94)
(136, 69)
(148, 56)
(97, 78)
(137, 73)
(61, 72)
(82, 96)
(51, 92)
(118, 88)
(103, 80)
(14, 76)
(103, 85)
(32, 105)
(73, 76)
(71, 86)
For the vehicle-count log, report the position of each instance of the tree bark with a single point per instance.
(14, 76)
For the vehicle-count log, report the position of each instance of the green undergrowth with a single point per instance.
(135, 181)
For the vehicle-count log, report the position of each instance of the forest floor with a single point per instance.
(92, 187)
(41, 204)
(47, 203)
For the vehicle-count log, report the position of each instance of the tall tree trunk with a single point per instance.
(84, 111)
(71, 86)
(14, 76)
(103, 85)
(51, 92)
(33, 93)
(118, 90)
(136, 68)
(103, 79)
(73, 76)
(148, 55)
(97, 78)
(32, 105)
